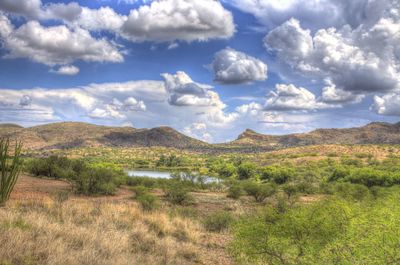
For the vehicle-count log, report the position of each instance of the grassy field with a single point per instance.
(39, 227)
(337, 204)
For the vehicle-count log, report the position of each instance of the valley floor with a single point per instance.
(39, 227)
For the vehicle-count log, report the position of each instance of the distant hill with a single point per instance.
(373, 133)
(75, 134)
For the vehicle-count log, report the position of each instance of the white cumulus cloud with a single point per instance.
(387, 105)
(66, 70)
(187, 20)
(234, 67)
(55, 44)
(292, 98)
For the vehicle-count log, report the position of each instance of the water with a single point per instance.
(150, 173)
(161, 175)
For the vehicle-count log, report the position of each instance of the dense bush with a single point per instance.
(148, 202)
(259, 191)
(328, 232)
(279, 175)
(139, 190)
(100, 178)
(223, 169)
(246, 170)
(218, 222)
(170, 161)
(295, 236)
(370, 177)
(143, 181)
(235, 191)
(367, 176)
(351, 191)
(177, 193)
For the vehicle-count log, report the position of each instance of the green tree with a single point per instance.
(295, 236)
(246, 170)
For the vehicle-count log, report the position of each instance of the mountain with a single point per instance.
(373, 133)
(75, 134)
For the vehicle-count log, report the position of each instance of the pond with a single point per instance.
(162, 175)
(149, 173)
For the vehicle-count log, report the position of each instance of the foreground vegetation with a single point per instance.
(83, 232)
(10, 167)
(303, 206)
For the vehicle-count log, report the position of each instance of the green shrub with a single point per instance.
(235, 191)
(96, 181)
(294, 236)
(246, 170)
(142, 181)
(279, 175)
(290, 190)
(99, 178)
(260, 192)
(218, 222)
(339, 173)
(351, 162)
(178, 194)
(147, 202)
(349, 191)
(306, 188)
(139, 190)
(370, 177)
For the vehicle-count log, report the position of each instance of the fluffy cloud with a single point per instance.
(170, 20)
(55, 45)
(252, 109)
(34, 9)
(66, 70)
(104, 18)
(387, 105)
(67, 12)
(292, 98)
(183, 91)
(117, 109)
(315, 14)
(332, 95)
(292, 43)
(234, 67)
(141, 103)
(199, 131)
(30, 8)
(112, 102)
(350, 62)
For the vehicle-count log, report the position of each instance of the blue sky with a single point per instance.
(208, 68)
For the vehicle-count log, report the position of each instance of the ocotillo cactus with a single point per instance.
(10, 167)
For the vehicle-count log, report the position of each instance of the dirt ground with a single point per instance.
(28, 187)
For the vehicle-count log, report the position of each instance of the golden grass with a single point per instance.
(93, 232)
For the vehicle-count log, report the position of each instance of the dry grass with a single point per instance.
(96, 232)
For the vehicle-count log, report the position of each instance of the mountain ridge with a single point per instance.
(372, 133)
(78, 134)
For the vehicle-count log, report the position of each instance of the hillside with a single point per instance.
(74, 134)
(373, 133)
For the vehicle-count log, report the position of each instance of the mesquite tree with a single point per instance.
(10, 167)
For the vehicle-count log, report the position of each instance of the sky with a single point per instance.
(210, 69)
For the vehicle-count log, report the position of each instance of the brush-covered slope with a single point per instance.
(75, 134)
(373, 133)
